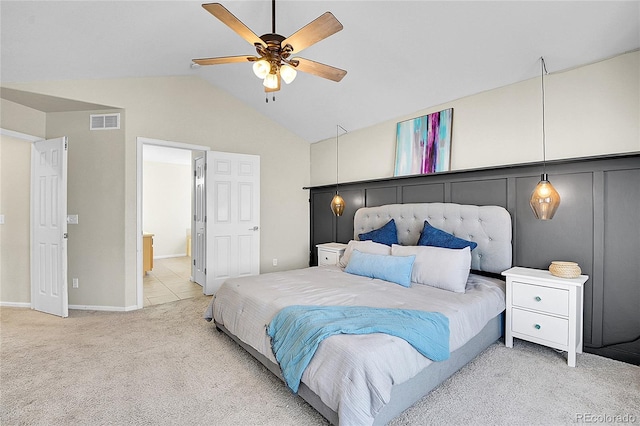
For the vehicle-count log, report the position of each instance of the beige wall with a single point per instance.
(166, 207)
(592, 110)
(15, 160)
(95, 192)
(188, 110)
(22, 119)
(14, 234)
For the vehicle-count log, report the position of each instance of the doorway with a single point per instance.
(167, 198)
(165, 186)
(231, 194)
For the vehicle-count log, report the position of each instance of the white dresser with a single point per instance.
(330, 253)
(545, 309)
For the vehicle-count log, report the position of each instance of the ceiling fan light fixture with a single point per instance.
(270, 81)
(261, 68)
(288, 73)
(274, 50)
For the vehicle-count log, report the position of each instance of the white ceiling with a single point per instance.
(401, 56)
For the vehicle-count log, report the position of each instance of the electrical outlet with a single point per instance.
(75, 283)
(275, 262)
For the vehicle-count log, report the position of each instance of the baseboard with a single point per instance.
(104, 308)
(77, 307)
(169, 256)
(16, 304)
(619, 353)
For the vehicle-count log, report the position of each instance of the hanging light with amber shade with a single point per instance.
(337, 203)
(544, 199)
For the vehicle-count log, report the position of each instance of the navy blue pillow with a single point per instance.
(385, 235)
(435, 237)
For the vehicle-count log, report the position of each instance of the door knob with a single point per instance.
(255, 228)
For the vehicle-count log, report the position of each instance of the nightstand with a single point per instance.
(545, 309)
(329, 253)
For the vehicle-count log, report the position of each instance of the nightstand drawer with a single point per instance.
(540, 326)
(327, 257)
(539, 298)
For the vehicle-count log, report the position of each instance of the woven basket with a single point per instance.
(565, 269)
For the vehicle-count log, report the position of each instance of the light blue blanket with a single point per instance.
(296, 331)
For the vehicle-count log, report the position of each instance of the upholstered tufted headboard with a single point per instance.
(489, 226)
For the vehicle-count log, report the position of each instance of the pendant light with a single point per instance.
(337, 203)
(544, 199)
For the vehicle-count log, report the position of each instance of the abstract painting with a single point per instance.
(423, 144)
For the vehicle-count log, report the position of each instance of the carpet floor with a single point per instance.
(165, 365)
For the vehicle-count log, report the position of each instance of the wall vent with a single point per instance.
(104, 121)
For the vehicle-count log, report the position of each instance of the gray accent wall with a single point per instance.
(596, 225)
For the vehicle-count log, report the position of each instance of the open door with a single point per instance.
(199, 243)
(233, 217)
(49, 227)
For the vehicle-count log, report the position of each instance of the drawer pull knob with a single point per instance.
(537, 326)
(538, 298)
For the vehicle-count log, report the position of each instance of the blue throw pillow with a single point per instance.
(396, 269)
(435, 237)
(385, 235)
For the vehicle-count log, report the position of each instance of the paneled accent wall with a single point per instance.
(596, 225)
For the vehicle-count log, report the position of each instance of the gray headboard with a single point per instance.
(489, 226)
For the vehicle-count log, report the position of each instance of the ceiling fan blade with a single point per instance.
(321, 70)
(224, 60)
(227, 18)
(319, 29)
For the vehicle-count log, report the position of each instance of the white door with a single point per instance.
(233, 224)
(49, 226)
(199, 217)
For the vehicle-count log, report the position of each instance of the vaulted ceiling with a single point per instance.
(401, 56)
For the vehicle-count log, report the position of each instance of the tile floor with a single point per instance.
(169, 281)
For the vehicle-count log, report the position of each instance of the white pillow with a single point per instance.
(438, 267)
(363, 247)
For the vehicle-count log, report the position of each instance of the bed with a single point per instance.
(371, 378)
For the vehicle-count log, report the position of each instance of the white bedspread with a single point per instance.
(353, 375)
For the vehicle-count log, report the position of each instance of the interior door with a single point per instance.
(49, 227)
(199, 247)
(233, 209)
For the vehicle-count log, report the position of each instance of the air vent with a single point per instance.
(105, 121)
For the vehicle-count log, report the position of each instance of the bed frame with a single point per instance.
(490, 227)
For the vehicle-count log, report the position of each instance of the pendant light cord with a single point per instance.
(338, 127)
(337, 159)
(544, 138)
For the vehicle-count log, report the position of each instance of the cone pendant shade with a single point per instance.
(544, 199)
(337, 205)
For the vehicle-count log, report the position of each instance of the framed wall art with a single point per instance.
(423, 144)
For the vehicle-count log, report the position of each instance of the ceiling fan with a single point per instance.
(274, 61)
